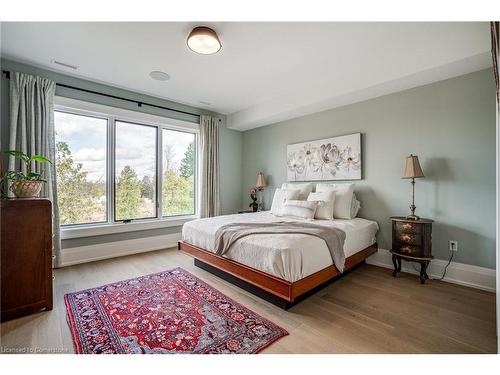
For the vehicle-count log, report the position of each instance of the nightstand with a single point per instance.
(412, 242)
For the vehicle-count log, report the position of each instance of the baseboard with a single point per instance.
(457, 273)
(90, 253)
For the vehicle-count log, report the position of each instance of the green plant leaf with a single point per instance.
(33, 176)
(14, 175)
(18, 154)
(40, 159)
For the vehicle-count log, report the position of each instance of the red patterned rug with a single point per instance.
(167, 312)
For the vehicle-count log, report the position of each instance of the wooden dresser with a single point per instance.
(412, 241)
(26, 255)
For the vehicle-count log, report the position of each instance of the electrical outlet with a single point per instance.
(453, 245)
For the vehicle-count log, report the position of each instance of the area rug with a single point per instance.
(166, 312)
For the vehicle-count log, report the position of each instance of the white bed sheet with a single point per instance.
(290, 257)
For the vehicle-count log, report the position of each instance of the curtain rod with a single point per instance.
(139, 103)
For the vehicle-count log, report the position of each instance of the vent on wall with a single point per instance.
(60, 63)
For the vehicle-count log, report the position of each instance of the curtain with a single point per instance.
(209, 141)
(495, 51)
(32, 131)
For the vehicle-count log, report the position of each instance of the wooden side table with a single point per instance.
(412, 242)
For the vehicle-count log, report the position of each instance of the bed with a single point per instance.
(282, 269)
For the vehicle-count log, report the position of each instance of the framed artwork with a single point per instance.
(337, 158)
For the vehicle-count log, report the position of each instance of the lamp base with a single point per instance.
(412, 217)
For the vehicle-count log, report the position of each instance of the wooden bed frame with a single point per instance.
(280, 292)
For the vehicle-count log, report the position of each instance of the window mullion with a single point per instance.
(197, 173)
(111, 170)
(159, 172)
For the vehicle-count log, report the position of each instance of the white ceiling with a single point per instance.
(265, 72)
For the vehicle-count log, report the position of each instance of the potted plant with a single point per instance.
(29, 184)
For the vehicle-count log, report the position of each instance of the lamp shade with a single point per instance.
(412, 168)
(261, 181)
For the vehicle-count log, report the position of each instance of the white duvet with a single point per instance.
(288, 256)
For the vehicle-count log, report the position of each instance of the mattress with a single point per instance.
(291, 256)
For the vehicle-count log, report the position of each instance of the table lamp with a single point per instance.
(413, 171)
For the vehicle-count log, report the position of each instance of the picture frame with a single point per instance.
(334, 158)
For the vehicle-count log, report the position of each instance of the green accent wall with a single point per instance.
(230, 140)
(449, 124)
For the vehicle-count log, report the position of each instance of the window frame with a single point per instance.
(113, 114)
(77, 113)
(157, 201)
(197, 168)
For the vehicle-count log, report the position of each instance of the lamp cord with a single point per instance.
(445, 268)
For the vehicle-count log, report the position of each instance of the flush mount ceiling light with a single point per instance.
(203, 40)
(159, 76)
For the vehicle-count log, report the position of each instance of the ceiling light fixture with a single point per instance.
(204, 40)
(159, 76)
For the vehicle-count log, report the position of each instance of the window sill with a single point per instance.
(78, 231)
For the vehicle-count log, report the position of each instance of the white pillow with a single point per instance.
(300, 209)
(343, 198)
(305, 189)
(280, 195)
(355, 206)
(325, 208)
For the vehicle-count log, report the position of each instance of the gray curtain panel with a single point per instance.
(495, 52)
(209, 141)
(32, 131)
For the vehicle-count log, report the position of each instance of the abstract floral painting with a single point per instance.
(337, 158)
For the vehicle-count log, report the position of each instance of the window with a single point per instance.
(81, 168)
(178, 194)
(135, 171)
(113, 168)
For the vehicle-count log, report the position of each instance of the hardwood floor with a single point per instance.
(367, 311)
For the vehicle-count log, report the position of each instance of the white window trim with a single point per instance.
(90, 230)
(119, 114)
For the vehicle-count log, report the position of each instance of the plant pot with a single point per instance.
(26, 188)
